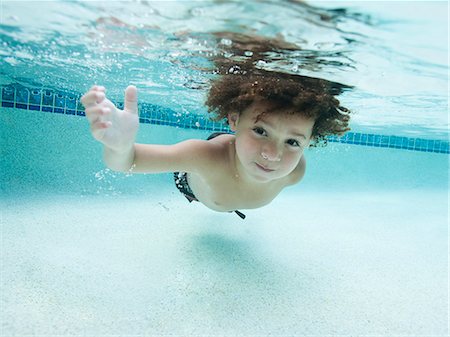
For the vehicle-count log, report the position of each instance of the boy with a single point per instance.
(274, 116)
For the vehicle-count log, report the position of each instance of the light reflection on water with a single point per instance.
(393, 54)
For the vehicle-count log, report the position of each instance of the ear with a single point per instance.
(233, 120)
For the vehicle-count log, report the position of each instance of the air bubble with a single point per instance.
(226, 42)
(261, 63)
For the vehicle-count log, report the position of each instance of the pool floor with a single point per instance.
(317, 264)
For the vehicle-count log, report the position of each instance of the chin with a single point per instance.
(263, 177)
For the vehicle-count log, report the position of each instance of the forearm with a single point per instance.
(119, 161)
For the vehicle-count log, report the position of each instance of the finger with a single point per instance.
(92, 97)
(96, 112)
(100, 125)
(88, 98)
(131, 99)
(98, 88)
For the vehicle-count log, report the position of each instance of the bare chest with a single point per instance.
(228, 193)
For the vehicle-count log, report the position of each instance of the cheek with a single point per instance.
(246, 146)
(291, 159)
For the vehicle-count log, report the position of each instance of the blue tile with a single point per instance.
(8, 94)
(384, 141)
(80, 108)
(7, 104)
(47, 98)
(404, 142)
(21, 106)
(60, 100)
(420, 144)
(395, 140)
(35, 97)
(437, 144)
(22, 96)
(71, 102)
(364, 139)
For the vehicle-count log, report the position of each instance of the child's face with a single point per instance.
(271, 147)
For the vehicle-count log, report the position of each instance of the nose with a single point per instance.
(271, 152)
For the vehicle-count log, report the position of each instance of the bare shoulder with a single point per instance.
(207, 153)
(218, 148)
(200, 151)
(212, 146)
(223, 139)
(298, 173)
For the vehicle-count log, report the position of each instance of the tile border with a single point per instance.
(68, 103)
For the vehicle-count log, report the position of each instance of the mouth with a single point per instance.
(263, 168)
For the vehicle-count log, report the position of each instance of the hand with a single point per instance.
(114, 128)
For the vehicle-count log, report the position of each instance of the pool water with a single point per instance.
(359, 247)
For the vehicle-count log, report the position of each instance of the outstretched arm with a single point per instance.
(117, 129)
(193, 155)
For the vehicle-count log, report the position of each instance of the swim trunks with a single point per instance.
(182, 184)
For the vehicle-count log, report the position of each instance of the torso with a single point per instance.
(220, 188)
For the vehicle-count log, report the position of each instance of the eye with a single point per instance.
(294, 142)
(260, 131)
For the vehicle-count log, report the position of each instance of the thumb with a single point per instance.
(130, 104)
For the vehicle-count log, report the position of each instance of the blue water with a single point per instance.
(359, 247)
(394, 53)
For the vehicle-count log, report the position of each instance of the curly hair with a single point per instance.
(305, 96)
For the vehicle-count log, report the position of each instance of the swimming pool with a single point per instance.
(359, 247)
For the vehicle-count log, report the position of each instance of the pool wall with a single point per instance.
(55, 153)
